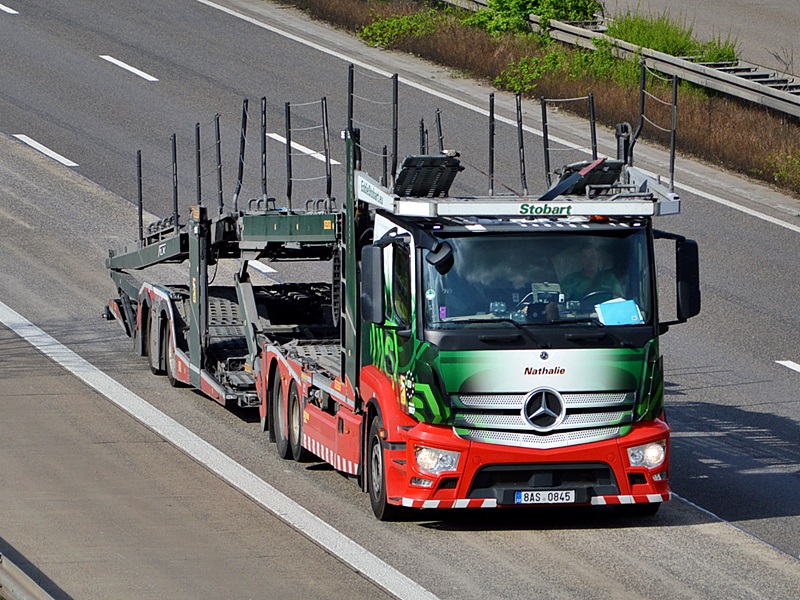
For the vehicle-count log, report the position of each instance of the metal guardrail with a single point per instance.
(15, 584)
(739, 79)
(748, 81)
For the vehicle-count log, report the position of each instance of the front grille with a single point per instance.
(498, 419)
(501, 481)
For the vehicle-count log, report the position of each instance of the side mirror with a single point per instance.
(442, 258)
(372, 293)
(687, 262)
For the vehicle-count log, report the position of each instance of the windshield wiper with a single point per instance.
(578, 321)
(595, 335)
(489, 320)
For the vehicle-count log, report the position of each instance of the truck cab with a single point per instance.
(520, 338)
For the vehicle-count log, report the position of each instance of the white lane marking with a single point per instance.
(301, 148)
(482, 111)
(789, 364)
(8, 10)
(247, 482)
(127, 67)
(45, 150)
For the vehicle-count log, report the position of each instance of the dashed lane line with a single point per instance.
(129, 68)
(789, 364)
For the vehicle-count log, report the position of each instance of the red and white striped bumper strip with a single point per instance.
(329, 456)
(638, 499)
(492, 503)
(473, 503)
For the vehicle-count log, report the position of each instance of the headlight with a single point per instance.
(648, 455)
(433, 460)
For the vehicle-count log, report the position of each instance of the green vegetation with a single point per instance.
(523, 75)
(664, 34)
(497, 45)
(394, 29)
(511, 16)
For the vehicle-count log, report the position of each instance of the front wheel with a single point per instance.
(376, 473)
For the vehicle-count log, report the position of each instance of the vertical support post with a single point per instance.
(674, 134)
(423, 138)
(218, 144)
(264, 148)
(288, 113)
(350, 320)
(394, 126)
(521, 145)
(623, 132)
(198, 297)
(326, 141)
(385, 175)
(139, 193)
(546, 142)
(175, 181)
(491, 144)
(242, 142)
(592, 126)
(350, 84)
(197, 164)
(439, 134)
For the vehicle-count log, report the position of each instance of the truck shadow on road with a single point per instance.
(741, 463)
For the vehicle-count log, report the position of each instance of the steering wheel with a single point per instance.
(596, 297)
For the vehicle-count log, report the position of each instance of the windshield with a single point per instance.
(599, 276)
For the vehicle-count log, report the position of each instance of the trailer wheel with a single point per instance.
(171, 360)
(279, 419)
(376, 474)
(295, 426)
(153, 338)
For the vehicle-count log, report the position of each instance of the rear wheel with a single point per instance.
(295, 426)
(171, 360)
(376, 472)
(154, 348)
(279, 420)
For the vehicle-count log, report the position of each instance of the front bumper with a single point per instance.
(490, 475)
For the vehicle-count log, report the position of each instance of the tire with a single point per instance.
(153, 348)
(295, 426)
(279, 420)
(170, 359)
(376, 475)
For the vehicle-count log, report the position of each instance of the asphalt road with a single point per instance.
(734, 409)
(95, 505)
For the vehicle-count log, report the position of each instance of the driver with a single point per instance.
(590, 278)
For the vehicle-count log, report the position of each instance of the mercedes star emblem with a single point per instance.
(544, 409)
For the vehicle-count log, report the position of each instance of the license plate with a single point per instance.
(549, 497)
